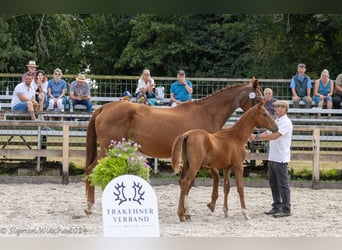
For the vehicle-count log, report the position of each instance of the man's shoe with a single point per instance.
(272, 211)
(282, 214)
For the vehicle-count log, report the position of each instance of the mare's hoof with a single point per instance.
(187, 217)
(88, 211)
(211, 207)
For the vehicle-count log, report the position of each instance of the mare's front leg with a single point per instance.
(226, 189)
(215, 175)
(239, 185)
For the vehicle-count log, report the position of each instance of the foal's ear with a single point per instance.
(262, 102)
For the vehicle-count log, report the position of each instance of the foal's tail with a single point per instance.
(177, 149)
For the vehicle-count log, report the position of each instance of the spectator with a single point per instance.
(40, 85)
(301, 87)
(31, 67)
(278, 159)
(323, 90)
(80, 93)
(269, 100)
(181, 90)
(56, 91)
(24, 96)
(146, 84)
(337, 98)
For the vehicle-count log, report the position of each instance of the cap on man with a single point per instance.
(280, 103)
(81, 78)
(32, 64)
(181, 72)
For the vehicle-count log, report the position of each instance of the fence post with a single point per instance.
(65, 174)
(39, 147)
(316, 158)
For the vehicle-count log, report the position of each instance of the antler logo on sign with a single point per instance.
(129, 208)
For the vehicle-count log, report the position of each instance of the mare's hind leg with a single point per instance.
(239, 185)
(90, 190)
(214, 194)
(226, 189)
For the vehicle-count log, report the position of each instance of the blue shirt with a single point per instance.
(57, 88)
(180, 92)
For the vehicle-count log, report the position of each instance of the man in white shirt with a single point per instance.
(24, 96)
(278, 159)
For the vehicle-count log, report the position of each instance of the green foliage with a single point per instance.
(330, 174)
(204, 173)
(121, 158)
(204, 45)
(324, 175)
(301, 174)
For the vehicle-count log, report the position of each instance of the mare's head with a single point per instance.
(262, 118)
(254, 95)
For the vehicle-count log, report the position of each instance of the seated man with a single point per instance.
(181, 90)
(24, 96)
(80, 93)
(301, 87)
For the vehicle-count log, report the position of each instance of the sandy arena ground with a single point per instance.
(49, 210)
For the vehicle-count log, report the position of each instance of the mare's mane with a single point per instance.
(220, 90)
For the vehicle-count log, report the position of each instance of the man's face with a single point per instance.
(301, 70)
(31, 69)
(181, 78)
(28, 80)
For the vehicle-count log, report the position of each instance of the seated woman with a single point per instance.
(145, 84)
(40, 85)
(323, 90)
(56, 91)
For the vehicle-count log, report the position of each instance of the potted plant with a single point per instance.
(121, 158)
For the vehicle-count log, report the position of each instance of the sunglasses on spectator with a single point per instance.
(57, 74)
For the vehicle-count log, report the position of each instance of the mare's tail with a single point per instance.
(177, 148)
(91, 141)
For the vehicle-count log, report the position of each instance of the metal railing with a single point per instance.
(114, 86)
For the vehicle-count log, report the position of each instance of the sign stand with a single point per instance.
(130, 208)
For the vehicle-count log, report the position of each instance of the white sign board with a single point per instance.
(130, 208)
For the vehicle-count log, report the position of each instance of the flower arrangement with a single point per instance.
(121, 158)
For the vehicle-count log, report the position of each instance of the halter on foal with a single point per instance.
(223, 149)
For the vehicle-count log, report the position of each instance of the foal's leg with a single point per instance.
(214, 194)
(226, 189)
(239, 185)
(185, 187)
(185, 170)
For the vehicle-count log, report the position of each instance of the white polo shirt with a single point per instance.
(28, 92)
(280, 149)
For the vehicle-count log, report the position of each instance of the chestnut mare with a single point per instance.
(223, 149)
(156, 128)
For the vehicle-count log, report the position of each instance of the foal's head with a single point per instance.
(262, 118)
(254, 95)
